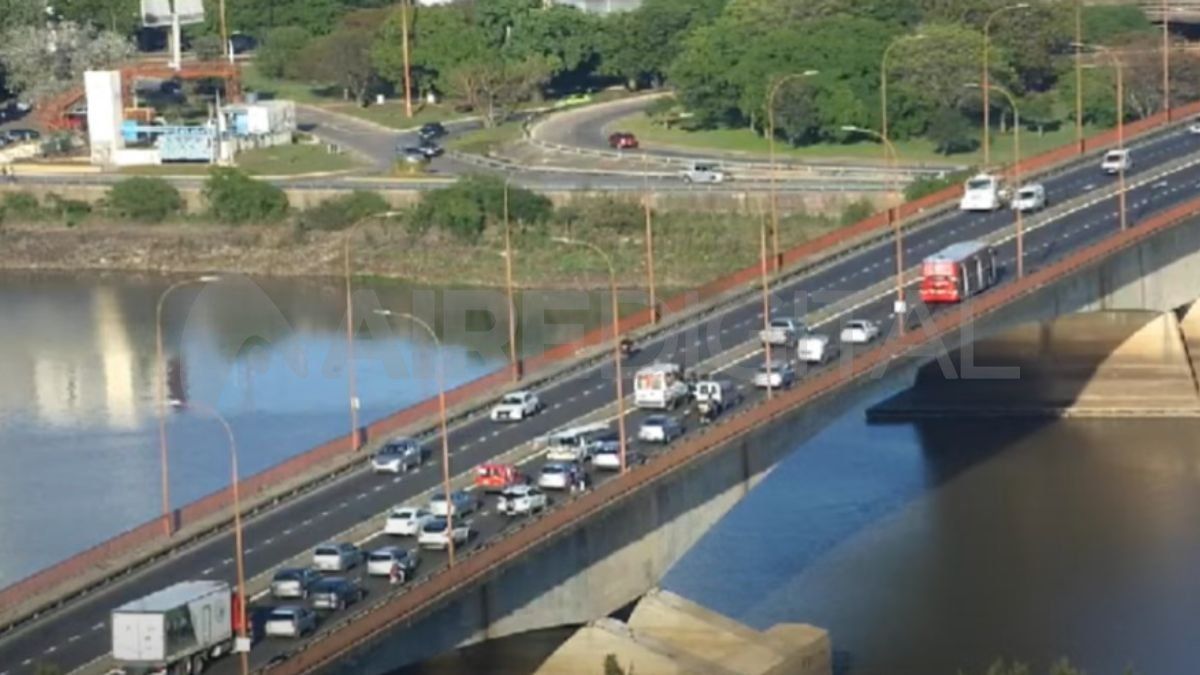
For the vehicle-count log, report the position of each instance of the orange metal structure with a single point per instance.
(53, 114)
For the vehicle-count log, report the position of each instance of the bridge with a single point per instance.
(594, 553)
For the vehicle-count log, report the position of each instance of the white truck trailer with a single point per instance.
(176, 630)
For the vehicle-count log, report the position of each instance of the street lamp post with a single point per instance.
(238, 541)
(351, 380)
(1120, 69)
(775, 257)
(1166, 58)
(441, 382)
(766, 301)
(987, 26)
(408, 110)
(616, 336)
(1016, 170)
(649, 240)
(892, 157)
(1079, 74)
(508, 286)
(160, 395)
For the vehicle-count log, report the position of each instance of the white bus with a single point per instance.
(659, 386)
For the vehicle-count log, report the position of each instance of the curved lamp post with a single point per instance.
(986, 78)
(1016, 169)
(775, 257)
(160, 394)
(1120, 69)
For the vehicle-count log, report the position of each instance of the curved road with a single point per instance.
(78, 633)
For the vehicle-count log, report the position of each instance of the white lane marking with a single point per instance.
(26, 662)
(207, 571)
(248, 549)
(98, 626)
(227, 561)
(73, 638)
(307, 522)
(378, 488)
(361, 496)
(267, 541)
(51, 649)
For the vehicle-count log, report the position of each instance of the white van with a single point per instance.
(816, 349)
(1030, 198)
(1116, 161)
(660, 386)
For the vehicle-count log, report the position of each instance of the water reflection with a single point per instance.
(942, 546)
(77, 385)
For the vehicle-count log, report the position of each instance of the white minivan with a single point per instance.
(816, 349)
(1030, 198)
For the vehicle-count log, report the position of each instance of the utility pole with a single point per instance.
(408, 110)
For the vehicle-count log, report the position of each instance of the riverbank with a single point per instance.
(689, 249)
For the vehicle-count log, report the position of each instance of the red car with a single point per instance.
(623, 140)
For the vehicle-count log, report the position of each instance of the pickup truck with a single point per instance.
(782, 332)
(702, 172)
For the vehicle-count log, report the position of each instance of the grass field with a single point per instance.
(910, 151)
(482, 141)
(282, 160)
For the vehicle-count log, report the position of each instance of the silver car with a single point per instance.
(382, 561)
(293, 582)
(463, 504)
(290, 621)
(775, 376)
(336, 557)
(398, 456)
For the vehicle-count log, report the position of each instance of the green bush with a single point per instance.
(341, 212)
(146, 200)
(280, 52)
(236, 198)
(464, 208)
(21, 206)
(859, 209)
(617, 215)
(69, 212)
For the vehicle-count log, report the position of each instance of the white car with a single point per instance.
(557, 476)
(522, 499)
(1030, 198)
(434, 534)
(335, 557)
(816, 349)
(382, 561)
(406, 521)
(516, 406)
(859, 332)
(290, 621)
(775, 376)
(659, 429)
(463, 503)
(578, 444)
(1194, 128)
(1116, 161)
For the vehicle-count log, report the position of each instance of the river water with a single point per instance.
(937, 548)
(79, 458)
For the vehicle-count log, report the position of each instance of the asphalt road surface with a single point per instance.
(78, 633)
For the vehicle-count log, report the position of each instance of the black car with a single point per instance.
(335, 593)
(431, 131)
(21, 135)
(413, 155)
(241, 43)
(430, 149)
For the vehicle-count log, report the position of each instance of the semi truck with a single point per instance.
(176, 630)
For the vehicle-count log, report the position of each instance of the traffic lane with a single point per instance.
(351, 489)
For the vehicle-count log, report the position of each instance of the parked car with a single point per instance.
(778, 375)
(435, 534)
(462, 503)
(516, 406)
(294, 582)
(240, 43)
(558, 475)
(406, 521)
(623, 140)
(398, 456)
(610, 459)
(522, 499)
(382, 561)
(431, 131)
(290, 621)
(336, 593)
(859, 332)
(660, 429)
(336, 557)
(22, 135)
(1116, 161)
(1030, 198)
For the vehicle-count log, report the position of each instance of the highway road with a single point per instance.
(78, 633)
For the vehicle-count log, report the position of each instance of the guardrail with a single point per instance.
(803, 257)
(483, 562)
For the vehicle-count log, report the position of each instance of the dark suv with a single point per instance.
(431, 131)
(335, 593)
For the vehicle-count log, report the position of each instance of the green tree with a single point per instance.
(118, 16)
(639, 46)
(1103, 23)
(951, 132)
(705, 83)
(342, 57)
(281, 51)
(442, 38)
(565, 37)
(235, 198)
(494, 88)
(317, 17)
(207, 47)
(144, 199)
(933, 71)
(1029, 42)
(1041, 110)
